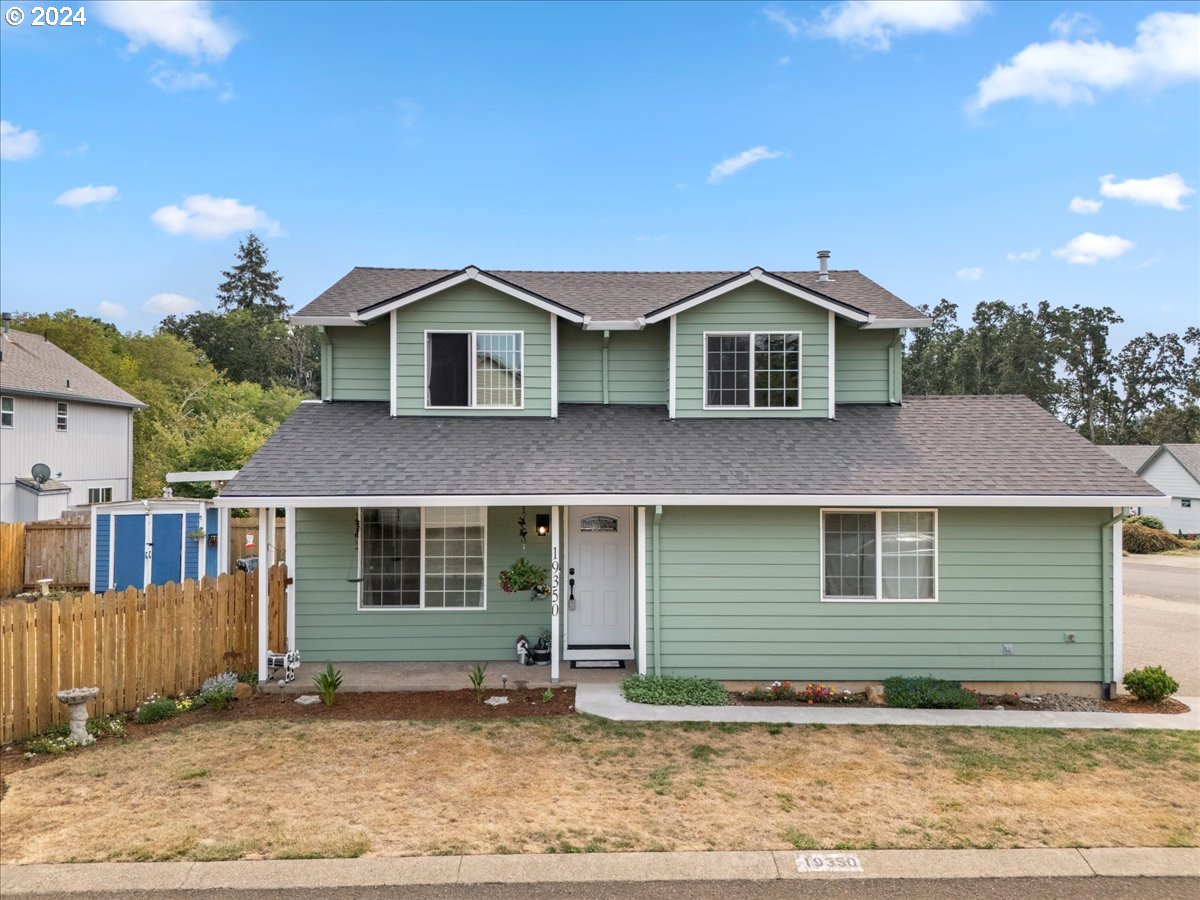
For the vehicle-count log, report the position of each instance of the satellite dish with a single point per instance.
(41, 473)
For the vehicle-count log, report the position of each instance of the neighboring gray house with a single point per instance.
(718, 470)
(56, 411)
(1175, 470)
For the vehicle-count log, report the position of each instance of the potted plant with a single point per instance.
(540, 652)
(524, 576)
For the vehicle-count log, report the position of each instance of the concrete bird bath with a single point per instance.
(77, 700)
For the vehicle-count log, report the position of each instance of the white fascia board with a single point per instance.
(766, 278)
(878, 324)
(215, 475)
(614, 324)
(469, 274)
(872, 500)
(325, 320)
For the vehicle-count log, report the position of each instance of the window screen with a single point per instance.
(391, 557)
(449, 370)
(850, 555)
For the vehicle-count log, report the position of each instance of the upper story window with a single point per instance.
(60, 418)
(7, 412)
(474, 369)
(752, 370)
(879, 554)
(99, 495)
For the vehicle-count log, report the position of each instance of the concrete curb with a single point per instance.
(762, 865)
(606, 701)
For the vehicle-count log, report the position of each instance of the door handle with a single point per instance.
(571, 590)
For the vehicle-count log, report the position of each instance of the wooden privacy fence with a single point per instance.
(130, 644)
(239, 528)
(60, 551)
(12, 557)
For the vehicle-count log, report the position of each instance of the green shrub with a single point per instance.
(674, 690)
(156, 709)
(1142, 539)
(477, 677)
(327, 683)
(926, 692)
(218, 691)
(1149, 521)
(1151, 684)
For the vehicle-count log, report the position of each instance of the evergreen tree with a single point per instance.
(250, 284)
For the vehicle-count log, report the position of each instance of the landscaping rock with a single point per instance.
(875, 694)
(1070, 703)
(496, 701)
(242, 691)
(308, 699)
(998, 708)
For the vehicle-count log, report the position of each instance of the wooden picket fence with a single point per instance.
(12, 557)
(131, 644)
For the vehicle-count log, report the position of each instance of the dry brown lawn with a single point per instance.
(290, 789)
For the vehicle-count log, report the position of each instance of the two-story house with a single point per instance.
(718, 468)
(66, 419)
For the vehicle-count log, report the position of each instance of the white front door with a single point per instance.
(599, 604)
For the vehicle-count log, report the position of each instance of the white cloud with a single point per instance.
(1165, 52)
(735, 164)
(77, 150)
(186, 27)
(82, 196)
(112, 310)
(875, 23)
(1084, 206)
(1166, 191)
(780, 19)
(170, 304)
(1024, 255)
(1076, 24)
(1090, 248)
(18, 143)
(205, 216)
(974, 273)
(172, 81)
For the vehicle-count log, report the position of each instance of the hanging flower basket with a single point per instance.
(522, 576)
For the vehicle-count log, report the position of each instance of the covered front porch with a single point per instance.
(403, 597)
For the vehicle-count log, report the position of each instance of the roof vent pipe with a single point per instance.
(7, 317)
(823, 260)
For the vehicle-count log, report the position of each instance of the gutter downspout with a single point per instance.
(894, 366)
(326, 366)
(604, 367)
(658, 511)
(1107, 637)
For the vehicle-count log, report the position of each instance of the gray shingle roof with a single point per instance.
(33, 365)
(931, 445)
(1188, 456)
(1131, 456)
(602, 295)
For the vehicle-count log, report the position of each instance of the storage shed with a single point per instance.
(136, 543)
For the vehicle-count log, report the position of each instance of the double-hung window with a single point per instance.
(432, 558)
(60, 417)
(7, 412)
(881, 554)
(752, 370)
(474, 369)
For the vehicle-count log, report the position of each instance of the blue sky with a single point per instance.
(937, 148)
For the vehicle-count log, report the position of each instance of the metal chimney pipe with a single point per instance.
(823, 260)
(7, 318)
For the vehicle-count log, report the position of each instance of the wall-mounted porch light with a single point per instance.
(542, 526)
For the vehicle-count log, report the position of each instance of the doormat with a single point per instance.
(597, 664)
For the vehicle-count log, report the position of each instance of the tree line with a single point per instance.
(1146, 392)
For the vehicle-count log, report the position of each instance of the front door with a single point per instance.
(599, 604)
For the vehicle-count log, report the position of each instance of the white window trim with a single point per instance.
(422, 607)
(878, 512)
(106, 487)
(752, 334)
(62, 411)
(12, 411)
(471, 378)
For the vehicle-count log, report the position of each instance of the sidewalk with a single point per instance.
(762, 865)
(606, 701)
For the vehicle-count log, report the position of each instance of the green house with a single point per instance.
(718, 471)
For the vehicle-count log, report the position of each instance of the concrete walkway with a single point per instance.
(606, 701)
(765, 865)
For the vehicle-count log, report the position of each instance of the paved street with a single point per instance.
(883, 889)
(1162, 616)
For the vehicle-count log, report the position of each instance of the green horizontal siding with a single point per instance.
(471, 307)
(741, 600)
(637, 365)
(358, 362)
(862, 364)
(755, 307)
(329, 625)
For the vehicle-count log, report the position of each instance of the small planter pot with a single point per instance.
(539, 656)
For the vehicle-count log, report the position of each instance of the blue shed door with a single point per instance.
(166, 532)
(191, 551)
(211, 527)
(129, 552)
(103, 555)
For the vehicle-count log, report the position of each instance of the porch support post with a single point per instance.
(658, 511)
(266, 526)
(641, 590)
(555, 594)
(1118, 588)
(289, 553)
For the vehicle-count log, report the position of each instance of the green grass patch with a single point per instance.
(704, 753)
(799, 840)
(674, 690)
